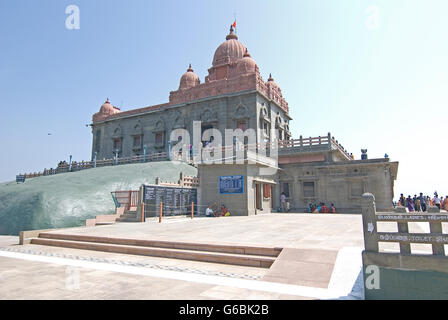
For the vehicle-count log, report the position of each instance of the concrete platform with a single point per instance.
(329, 231)
(320, 259)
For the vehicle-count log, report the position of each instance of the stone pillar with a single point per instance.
(181, 179)
(141, 199)
(295, 203)
(369, 222)
(276, 195)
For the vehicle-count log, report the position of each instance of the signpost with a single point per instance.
(231, 184)
(176, 201)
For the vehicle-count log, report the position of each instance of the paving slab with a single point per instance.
(304, 267)
(46, 281)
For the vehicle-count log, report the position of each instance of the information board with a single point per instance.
(231, 184)
(176, 201)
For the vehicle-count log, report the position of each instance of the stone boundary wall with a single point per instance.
(403, 275)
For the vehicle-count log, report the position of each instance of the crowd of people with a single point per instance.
(421, 203)
(312, 207)
(321, 208)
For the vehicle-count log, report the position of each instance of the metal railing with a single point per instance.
(77, 166)
(127, 199)
(309, 142)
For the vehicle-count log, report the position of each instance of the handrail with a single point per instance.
(76, 166)
(127, 198)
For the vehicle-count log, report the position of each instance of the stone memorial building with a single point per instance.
(234, 95)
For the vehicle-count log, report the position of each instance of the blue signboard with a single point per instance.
(231, 184)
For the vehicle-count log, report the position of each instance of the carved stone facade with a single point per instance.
(234, 95)
(341, 182)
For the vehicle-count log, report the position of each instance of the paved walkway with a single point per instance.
(329, 231)
(52, 279)
(321, 260)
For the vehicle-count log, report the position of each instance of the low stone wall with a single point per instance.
(404, 275)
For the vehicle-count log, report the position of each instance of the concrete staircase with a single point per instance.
(128, 216)
(262, 257)
(105, 218)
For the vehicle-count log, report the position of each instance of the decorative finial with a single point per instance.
(246, 54)
(231, 34)
(270, 77)
(189, 68)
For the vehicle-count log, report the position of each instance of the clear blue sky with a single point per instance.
(383, 87)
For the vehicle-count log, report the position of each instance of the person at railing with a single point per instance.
(324, 208)
(402, 201)
(410, 203)
(428, 201)
(417, 203)
(422, 202)
(445, 203)
(436, 200)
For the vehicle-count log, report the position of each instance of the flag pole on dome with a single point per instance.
(234, 25)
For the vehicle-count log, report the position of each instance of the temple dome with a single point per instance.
(108, 109)
(272, 84)
(189, 79)
(246, 64)
(230, 50)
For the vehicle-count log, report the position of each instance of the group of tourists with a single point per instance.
(321, 208)
(312, 207)
(421, 203)
(224, 212)
(62, 164)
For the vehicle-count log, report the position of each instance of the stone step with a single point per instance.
(222, 248)
(215, 257)
(124, 219)
(129, 215)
